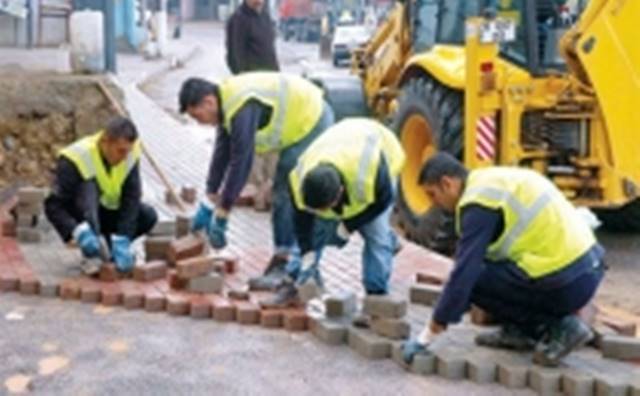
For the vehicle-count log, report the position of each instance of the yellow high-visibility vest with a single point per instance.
(353, 146)
(296, 106)
(543, 232)
(85, 155)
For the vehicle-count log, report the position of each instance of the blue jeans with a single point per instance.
(282, 212)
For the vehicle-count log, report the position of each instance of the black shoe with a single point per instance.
(286, 296)
(563, 337)
(509, 336)
(272, 277)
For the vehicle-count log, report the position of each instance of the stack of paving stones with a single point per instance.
(30, 222)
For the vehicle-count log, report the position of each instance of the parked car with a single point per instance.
(346, 39)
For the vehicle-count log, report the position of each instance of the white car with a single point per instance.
(345, 40)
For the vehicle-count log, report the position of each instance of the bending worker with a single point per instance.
(98, 190)
(265, 112)
(345, 182)
(525, 256)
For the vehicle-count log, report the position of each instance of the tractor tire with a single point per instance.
(624, 219)
(429, 119)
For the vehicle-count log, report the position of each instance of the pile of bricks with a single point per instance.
(29, 214)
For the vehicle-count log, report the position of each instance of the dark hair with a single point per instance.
(122, 128)
(193, 91)
(441, 164)
(321, 186)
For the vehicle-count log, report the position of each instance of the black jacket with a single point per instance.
(251, 41)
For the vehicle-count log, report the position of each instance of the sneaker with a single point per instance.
(272, 277)
(509, 336)
(286, 296)
(563, 337)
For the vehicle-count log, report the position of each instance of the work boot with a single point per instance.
(563, 337)
(509, 336)
(286, 296)
(272, 276)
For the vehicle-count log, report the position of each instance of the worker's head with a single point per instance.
(199, 99)
(322, 188)
(443, 177)
(256, 5)
(117, 140)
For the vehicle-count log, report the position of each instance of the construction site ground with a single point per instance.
(56, 346)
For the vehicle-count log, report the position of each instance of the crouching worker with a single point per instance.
(97, 191)
(343, 183)
(525, 255)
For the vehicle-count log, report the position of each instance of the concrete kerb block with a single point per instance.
(577, 384)
(49, 288)
(481, 370)
(330, 332)
(29, 235)
(31, 195)
(384, 307)
(620, 347)
(611, 387)
(424, 364)
(512, 375)
(396, 329)
(450, 366)
(545, 381)
(425, 294)
(210, 283)
(164, 228)
(368, 344)
(340, 304)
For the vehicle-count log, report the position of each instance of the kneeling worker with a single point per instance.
(97, 190)
(525, 256)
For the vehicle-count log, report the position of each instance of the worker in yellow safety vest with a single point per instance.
(97, 190)
(525, 255)
(259, 112)
(343, 183)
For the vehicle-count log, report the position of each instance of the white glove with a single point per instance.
(343, 232)
(589, 217)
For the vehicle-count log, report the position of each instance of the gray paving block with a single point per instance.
(611, 387)
(340, 304)
(26, 221)
(164, 228)
(49, 288)
(545, 381)
(210, 283)
(396, 329)
(425, 294)
(384, 306)
(32, 195)
(29, 235)
(451, 366)
(308, 291)
(424, 364)
(397, 356)
(368, 344)
(481, 370)
(329, 331)
(513, 375)
(157, 247)
(620, 347)
(578, 384)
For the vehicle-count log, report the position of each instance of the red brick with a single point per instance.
(226, 263)
(247, 312)
(149, 271)
(108, 273)
(271, 318)
(8, 227)
(133, 298)
(154, 301)
(176, 282)
(621, 326)
(200, 307)
(90, 292)
(194, 267)
(185, 247)
(223, 309)
(9, 281)
(296, 320)
(177, 304)
(70, 290)
(431, 278)
(157, 247)
(29, 285)
(111, 295)
(480, 317)
(240, 295)
(189, 194)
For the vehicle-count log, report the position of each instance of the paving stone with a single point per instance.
(578, 384)
(308, 291)
(397, 355)
(621, 347)
(185, 247)
(429, 278)
(600, 331)
(108, 273)
(69, 290)
(111, 295)
(133, 298)
(396, 329)
(8, 227)
(195, 267)
(49, 288)
(368, 344)
(424, 364)
(31, 195)
(481, 370)
(425, 294)
(26, 221)
(247, 312)
(480, 317)
(450, 366)
(29, 285)
(271, 318)
(29, 235)
(226, 263)
(189, 194)
(329, 331)
(621, 326)
(149, 271)
(295, 320)
(611, 387)
(30, 209)
(176, 282)
(9, 282)
(164, 228)
(177, 304)
(340, 304)
(545, 381)
(236, 294)
(183, 225)
(157, 247)
(384, 306)
(90, 293)
(209, 283)
(200, 307)
(513, 375)
(154, 301)
(223, 309)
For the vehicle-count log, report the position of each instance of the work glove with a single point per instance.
(412, 348)
(123, 257)
(217, 233)
(309, 268)
(87, 240)
(203, 216)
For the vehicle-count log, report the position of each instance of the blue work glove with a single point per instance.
(203, 216)
(87, 240)
(121, 251)
(412, 348)
(309, 268)
(217, 231)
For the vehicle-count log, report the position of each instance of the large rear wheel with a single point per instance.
(429, 119)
